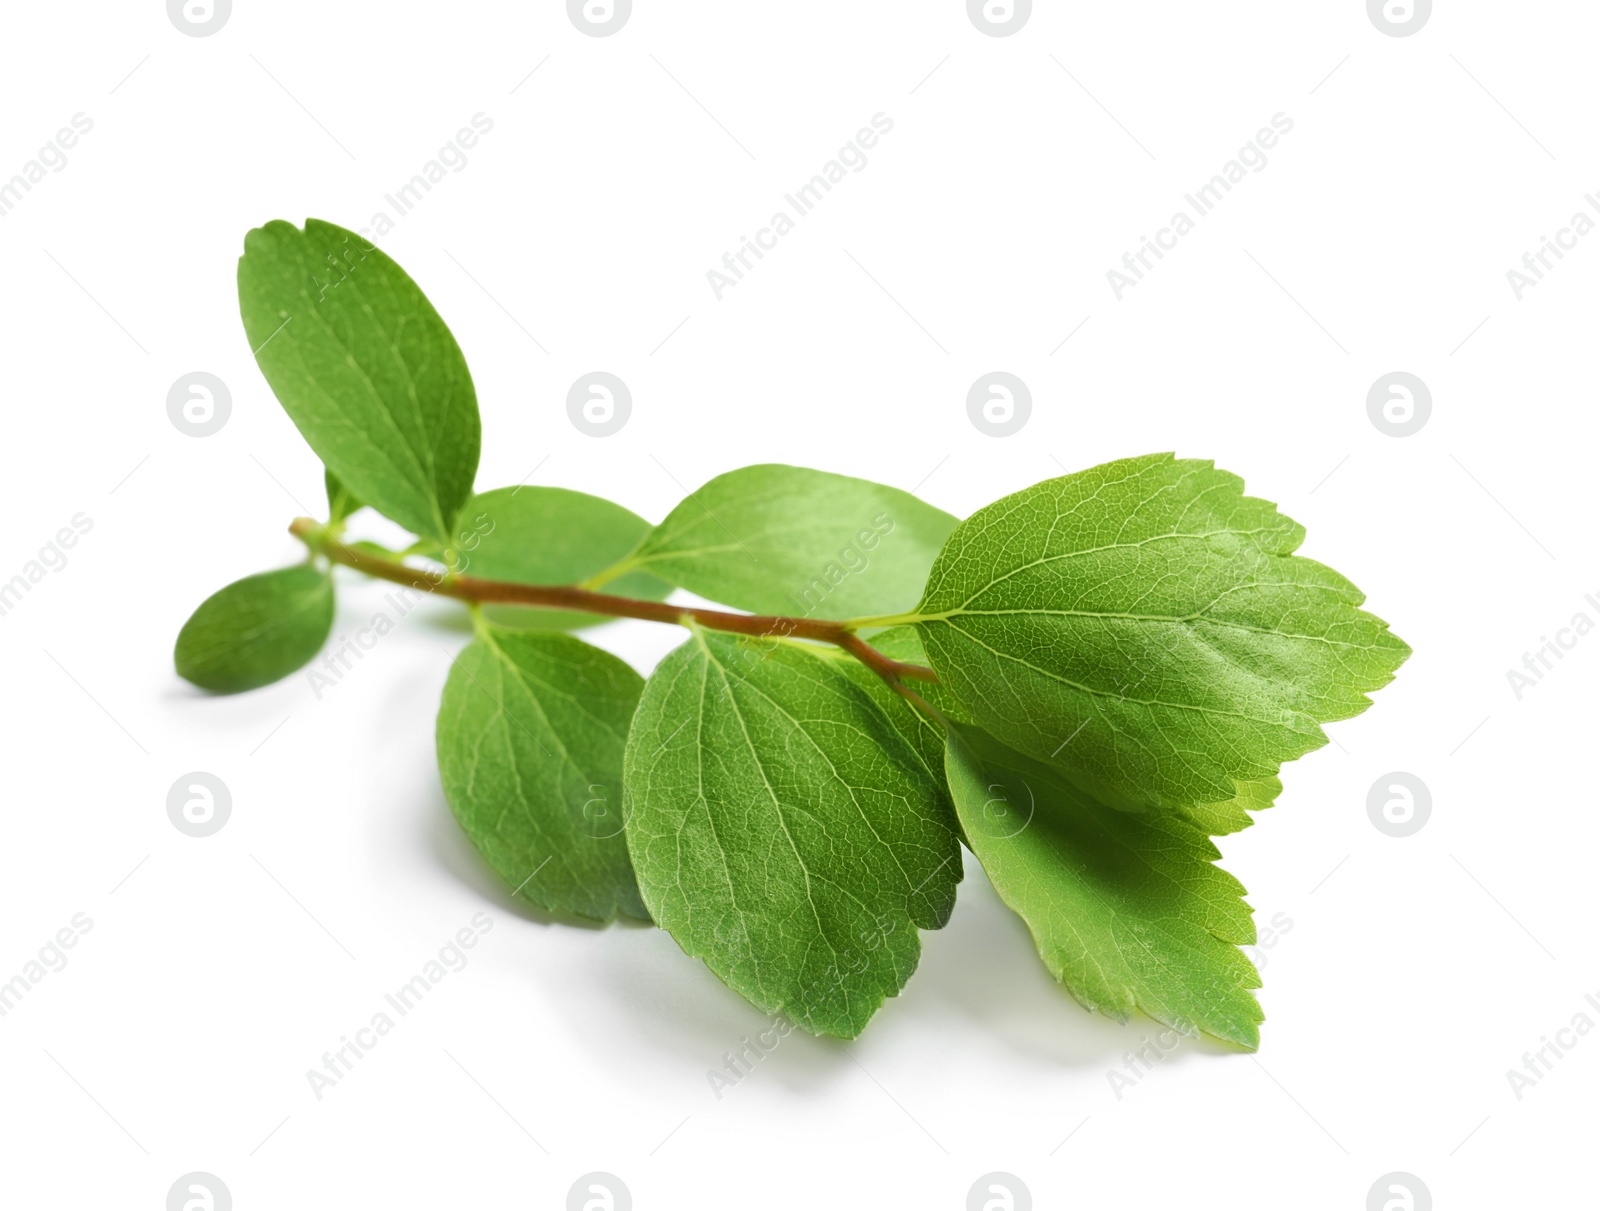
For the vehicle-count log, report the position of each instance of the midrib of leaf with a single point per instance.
(777, 807)
(704, 804)
(505, 718)
(269, 621)
(1186, 620)
(671, 553)
(527, 680)
(383, 409)
(769, 531)
(1120, 697)
(834, 770)
(411, 383)
(1116, 546)
(615, 572)
(1021, 503)
(689, 553)
(301, 603)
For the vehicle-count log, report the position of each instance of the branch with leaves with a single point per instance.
(1082, 683)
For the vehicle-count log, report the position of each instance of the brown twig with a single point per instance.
(570, 597)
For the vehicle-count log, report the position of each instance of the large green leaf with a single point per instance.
(1147, 627)
(550, 536)
(530, 738)
(787, 540)
(257, 630)
(785, 830)
(365, 368)
(1128, 910)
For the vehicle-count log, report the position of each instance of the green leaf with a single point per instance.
(550, 536)
(783, 828)
(1128, 911)
(1147, 627)
(257, 630)
(530, 739)
(341, 501)
(365, 368)
(786, 540)
(1216, 819)
(1230, 816)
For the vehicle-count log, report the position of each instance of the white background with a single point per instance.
(218, 971)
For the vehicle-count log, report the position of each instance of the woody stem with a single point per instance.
(570, 597)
